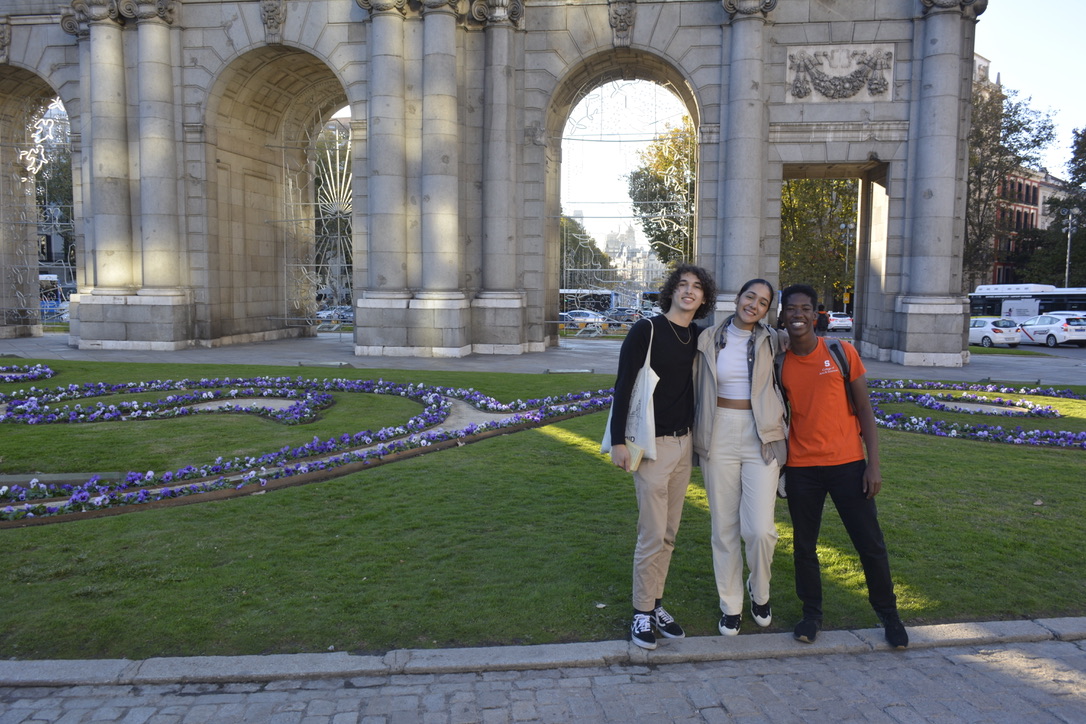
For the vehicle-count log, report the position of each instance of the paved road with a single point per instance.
(596, 355)
(1014, 672)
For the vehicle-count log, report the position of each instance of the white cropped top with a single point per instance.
(732, 375)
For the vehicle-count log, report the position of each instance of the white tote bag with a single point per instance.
(641, 420)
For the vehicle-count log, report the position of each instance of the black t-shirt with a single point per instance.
(673, 352)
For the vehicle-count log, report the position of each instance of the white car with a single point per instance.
(989, 331)
(840, 320)
(1055, 328)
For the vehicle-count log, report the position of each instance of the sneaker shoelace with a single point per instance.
(663, 617)
(641, 623)
(761, 610)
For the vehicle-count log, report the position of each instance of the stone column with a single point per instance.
(437, 318)
(498, 326)
(158, 172)
(387, 151)
(381, 314)
(113, 263)
(931, 311)
(440, 155)
(743, 184)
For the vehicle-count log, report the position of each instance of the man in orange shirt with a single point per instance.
(831, 425)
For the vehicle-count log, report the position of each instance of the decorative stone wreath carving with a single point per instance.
(840, 72)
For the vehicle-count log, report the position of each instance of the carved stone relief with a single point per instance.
(621, 14)
(821, 73)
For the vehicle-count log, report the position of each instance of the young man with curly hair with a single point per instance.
(688, 294)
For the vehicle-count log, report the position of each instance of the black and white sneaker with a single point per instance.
(641, 631)
(729, 624)
(665, 623)
(760, 612)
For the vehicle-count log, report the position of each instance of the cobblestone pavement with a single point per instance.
(1017, 683)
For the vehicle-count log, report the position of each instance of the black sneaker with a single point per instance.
(729, 624)
(896, 635)
(665, 623)
(807, 630)
(761, 613)
(641, 631)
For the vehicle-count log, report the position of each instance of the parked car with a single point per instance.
(840, 320)
(1055, 328)
(988, 331)
(623, 314)
(585, 316)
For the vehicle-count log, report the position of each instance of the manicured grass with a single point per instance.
(521, 538)
(1021, 351)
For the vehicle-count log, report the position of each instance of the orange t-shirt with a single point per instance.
(823, 429)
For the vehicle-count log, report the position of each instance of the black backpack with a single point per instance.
(823, 322)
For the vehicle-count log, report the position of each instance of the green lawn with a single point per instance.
(520, 538)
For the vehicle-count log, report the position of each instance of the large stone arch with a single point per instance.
(609, 65)
(22, 93)
(455, 107)
(262, 111)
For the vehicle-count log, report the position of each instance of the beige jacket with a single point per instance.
(767, 401)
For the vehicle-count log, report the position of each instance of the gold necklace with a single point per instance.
(689, 332)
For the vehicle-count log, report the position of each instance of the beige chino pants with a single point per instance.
(661, 491)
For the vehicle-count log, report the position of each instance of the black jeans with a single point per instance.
(806, 489)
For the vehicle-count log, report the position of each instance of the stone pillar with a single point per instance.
(438, 324)
(160, 235)
(381, 318)
(498, 325)
(113, 263)
(931, 311)
(440, 156)
(745, 128)
(387, 151)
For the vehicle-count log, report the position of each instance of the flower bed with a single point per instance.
(342, 454)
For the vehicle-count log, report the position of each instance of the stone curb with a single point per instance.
(235, 669)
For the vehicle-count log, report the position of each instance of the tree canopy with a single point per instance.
(1005, 135)
(662, 191)
(816, 238)
(582, 261)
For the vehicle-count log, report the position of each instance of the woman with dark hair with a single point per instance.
(660, 483)
(740, 436)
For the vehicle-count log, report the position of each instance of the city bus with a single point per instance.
(1022, 301)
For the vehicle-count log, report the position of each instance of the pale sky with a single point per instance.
(1032, 46)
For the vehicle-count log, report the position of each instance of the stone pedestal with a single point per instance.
(131, 321)
(929, 331)
(498, 324)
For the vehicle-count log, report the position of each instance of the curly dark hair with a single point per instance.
(708, 287)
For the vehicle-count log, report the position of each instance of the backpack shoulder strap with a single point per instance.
(838, 353)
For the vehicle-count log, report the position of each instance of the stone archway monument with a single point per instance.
(185, 115)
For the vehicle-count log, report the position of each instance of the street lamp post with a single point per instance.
(846, 230)
(1072, 225)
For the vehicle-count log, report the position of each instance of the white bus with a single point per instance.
(1022, 301)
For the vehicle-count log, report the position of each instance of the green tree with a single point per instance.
(583, 264)
(814, 246)
(1076, 167)
(1005, 135)
(662, 191)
